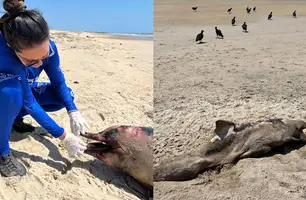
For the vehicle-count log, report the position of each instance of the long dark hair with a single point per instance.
(22, 28)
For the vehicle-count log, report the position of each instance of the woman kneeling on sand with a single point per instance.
(26, 50)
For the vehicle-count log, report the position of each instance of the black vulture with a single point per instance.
(233, 21)
(219, 33)
(245, 27)
(270, 16)
(194, 8)
(200, 36)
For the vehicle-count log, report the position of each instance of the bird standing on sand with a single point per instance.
(270, 16)
(294, 14)
(200, 36)
(233, 21)
(219, 33)
(194, 8)
(249, 10)
(254, 9)
(229, 11)
(245, 27)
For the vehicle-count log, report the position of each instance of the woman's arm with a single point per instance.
(57, 78)
(11, 65)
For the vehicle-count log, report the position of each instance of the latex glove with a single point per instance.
(74, 145)
(77, 123)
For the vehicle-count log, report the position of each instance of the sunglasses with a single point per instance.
(30, 62)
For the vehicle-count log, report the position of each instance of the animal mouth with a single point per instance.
(98, 148)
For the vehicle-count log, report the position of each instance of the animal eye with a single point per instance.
(111, 133)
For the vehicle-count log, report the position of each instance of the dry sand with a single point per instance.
(114, 77)
(245, 77)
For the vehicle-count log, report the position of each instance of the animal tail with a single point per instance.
(181, 168)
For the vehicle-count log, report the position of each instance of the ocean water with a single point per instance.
(148, 36)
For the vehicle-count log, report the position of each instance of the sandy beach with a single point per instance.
(110, 75)
(244, 77)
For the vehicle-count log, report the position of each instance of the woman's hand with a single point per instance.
(73, 144)
(63, 136)
(77, 123)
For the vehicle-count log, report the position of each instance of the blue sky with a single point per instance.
(117, 16)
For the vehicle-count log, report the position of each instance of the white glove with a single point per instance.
(74, 145)
(77, 123)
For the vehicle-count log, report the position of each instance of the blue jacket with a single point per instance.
(10, 63)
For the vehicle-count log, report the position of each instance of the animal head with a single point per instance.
(117, 143)
(300, 127)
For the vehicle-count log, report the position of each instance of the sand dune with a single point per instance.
(109, 75)
(244, 77)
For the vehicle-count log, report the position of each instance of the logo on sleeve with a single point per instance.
(71, 93)
(5, 76)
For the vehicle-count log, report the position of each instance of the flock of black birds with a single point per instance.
(244, 26)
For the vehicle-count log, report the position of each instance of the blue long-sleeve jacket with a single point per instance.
(10, 63)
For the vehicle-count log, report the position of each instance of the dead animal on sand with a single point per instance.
(129, 148)
(236, 142)
(194, 8)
